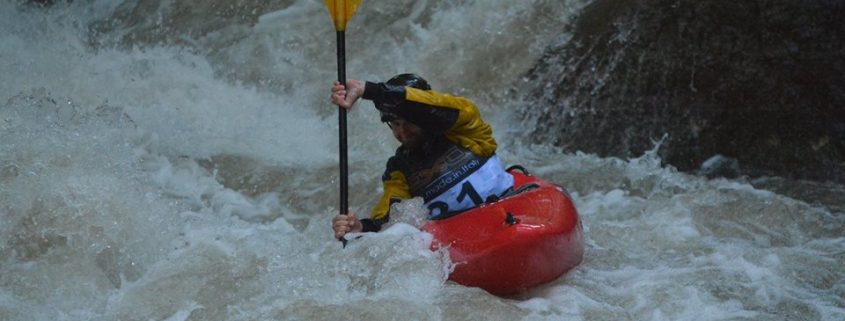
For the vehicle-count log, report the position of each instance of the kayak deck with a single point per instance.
(516, 243)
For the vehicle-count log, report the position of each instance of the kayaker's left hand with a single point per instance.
(346, 96)
(343, 224)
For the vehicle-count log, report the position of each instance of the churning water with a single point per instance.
(177, 160)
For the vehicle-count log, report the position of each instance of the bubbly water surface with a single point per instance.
(176, 160)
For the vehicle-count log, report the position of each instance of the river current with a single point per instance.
(177, 160)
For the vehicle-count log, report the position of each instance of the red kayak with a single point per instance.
(516, 243)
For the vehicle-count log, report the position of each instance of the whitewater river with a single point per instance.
(172, 160)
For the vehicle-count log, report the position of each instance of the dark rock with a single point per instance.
(758, 81)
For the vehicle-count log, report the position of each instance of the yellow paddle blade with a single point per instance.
(342, 11)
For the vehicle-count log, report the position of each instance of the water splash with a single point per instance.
(148, 183)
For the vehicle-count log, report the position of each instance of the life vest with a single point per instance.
(448, 177)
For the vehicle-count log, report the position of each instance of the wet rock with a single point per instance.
(757, 81)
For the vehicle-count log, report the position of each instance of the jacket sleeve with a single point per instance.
(395, 190)
(457, 118)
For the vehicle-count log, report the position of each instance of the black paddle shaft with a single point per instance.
(344, 171)
(341, 121)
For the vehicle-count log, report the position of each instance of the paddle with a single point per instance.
(341, 11)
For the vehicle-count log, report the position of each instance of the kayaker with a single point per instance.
(447, 153)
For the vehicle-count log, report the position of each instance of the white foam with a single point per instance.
(111, 211)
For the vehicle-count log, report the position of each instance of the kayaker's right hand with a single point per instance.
(346, 96)
(343, 224)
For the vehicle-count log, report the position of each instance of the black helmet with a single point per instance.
(408, 80)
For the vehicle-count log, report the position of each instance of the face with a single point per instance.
(405, 132)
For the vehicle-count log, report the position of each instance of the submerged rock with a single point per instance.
(758, 81)
(720, 166)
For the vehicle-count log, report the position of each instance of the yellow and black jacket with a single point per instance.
(460, 141)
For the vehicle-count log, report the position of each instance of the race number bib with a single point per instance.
(488, 180)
